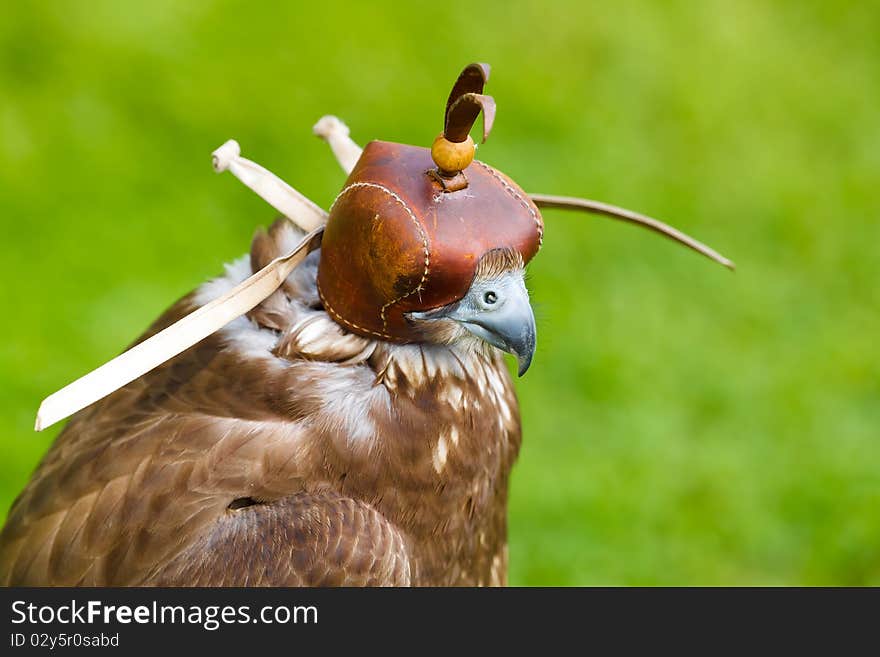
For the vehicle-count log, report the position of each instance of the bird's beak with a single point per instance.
(511, 329)
(508, 324)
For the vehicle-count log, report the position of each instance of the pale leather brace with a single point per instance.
(211, 317)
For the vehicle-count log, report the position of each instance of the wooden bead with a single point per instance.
(452, 157)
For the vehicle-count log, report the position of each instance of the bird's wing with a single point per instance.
(319, 539)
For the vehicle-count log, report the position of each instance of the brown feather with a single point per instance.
(346, 461)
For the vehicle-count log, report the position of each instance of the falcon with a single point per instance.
(335, 409)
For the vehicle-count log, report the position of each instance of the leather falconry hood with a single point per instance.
(408, 229)
(405, 234)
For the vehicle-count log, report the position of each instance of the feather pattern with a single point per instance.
(281, 450)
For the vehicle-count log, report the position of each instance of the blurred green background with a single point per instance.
(683, 425)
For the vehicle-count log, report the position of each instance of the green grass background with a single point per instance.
(682, 424)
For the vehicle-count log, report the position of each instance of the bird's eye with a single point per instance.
(490, 298)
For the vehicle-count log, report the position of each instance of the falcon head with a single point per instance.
(429, 245)
(495, 310)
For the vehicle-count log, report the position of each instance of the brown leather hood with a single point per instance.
(396, 242)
